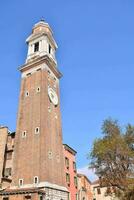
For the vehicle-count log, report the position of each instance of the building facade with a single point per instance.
(37, 150)
(71, 172)
(7, 140)
(84, 188)
(100, 192)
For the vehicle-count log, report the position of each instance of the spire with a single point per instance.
(42, 19)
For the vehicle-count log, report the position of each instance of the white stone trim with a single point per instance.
(35, 69)
(45, 185)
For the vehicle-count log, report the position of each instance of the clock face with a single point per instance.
(53, 96)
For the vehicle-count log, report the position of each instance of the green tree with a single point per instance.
(112, 157)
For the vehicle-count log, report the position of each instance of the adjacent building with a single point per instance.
(84, 188)
(7, 140)
(100, 192)
(71, 172)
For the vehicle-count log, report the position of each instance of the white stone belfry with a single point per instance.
(41, 42)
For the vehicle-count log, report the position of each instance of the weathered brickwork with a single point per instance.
(38, 151)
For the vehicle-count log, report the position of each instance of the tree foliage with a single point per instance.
(112, 156)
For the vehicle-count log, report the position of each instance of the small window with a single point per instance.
(5, 198)
(36, 47)
(7, 172)
(41, 197)
(50, 48)
(50, 154)
(39, 69)
(37, 130)
(38, 89)
(109, 190)
(67, 162)
(27, 94)
(28, 74)
(9, 155)
(28, 197)
(20, 182)
(68, 178)
(75, 181)
(74, 166)
(24, 134)
(98, 191)
(36, 180)
(49, 72)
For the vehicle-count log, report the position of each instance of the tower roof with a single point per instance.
(41, 28)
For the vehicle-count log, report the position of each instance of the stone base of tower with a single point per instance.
(36, 193)
(54, 194)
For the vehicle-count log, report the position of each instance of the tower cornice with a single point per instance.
(37, 35)
(38, 61)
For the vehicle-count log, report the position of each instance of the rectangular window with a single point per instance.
(109, 190)
(9, 155)
(5, 198)
(37, 130)
(28, 74)
(36, 47)
(49, 48)
(28, 197)
(38, 89)
(69, 196)
(67, 162)
(75, 181)
(7, 172)
(39, 69)
(20, 182)
(68, 178)
(98, 191)
(36, 180)
(26, 94)
(74, 166)
(24, 134)
(41, 197)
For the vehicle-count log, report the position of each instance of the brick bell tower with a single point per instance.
(38, 156)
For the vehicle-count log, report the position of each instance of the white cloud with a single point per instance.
(88, 172)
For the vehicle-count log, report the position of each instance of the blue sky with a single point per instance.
(95, 55)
